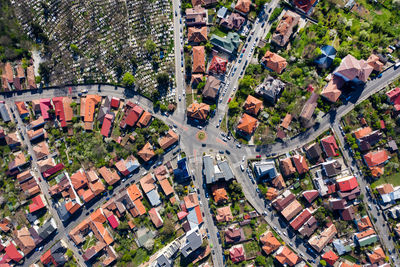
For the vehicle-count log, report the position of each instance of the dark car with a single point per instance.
(228, 152)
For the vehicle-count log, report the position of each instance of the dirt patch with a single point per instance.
(361, 11)
(308, 51)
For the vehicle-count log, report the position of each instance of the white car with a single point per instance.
(238, 145)
(244, 157)
(199, 127)
(242, 167)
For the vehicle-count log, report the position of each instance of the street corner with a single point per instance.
(201, 136)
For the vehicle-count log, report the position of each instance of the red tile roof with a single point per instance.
(107, 125)
(218, 65)
(330, 146)
(300, 163)
(199, 65)
(113, 221)
(253, 105)
(236, 253)
(330, 257)
(21, 107)
(59, 110)
(394, 97)
(347, 183)
(114, 102)
(243, 6)
(310, 195)
(12, 253)
(304, 5)
(274, 62)
(297, 222)
(247, 124)
(37, 204)
(45, 105)
(155, 218)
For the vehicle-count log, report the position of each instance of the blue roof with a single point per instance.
(4, 113)
(132, 165)
(181, 173)
(327, 56)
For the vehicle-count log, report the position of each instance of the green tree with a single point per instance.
(163, 79)
(128, 79)
(150, 46)
(322, 262)
(336, 62)
(74, 48)
(260, 261)
(233, 107)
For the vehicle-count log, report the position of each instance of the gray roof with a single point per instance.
(193, 242)
(63, 213)
(47, 229)
(332, 168)
(4, 113)
(222, 12)
(226, 170)
(153, 197)
(340, 247)
(265, 168)
(208, 169)
(270, 88)
(163, 261)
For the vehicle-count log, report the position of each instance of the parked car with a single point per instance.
(258, 156)
(238, 145)
(242, 167)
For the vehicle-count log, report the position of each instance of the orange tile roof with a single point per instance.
(385, 189)
(375, 63)
(111, 177)
(318, 242)
(361, 132)
(134, 192)
(284, 30)
(147, 152)
(139, 206)
(219, 193)
(375, 158)
(331, 91)
(191, 200)
(78, 179)
(224, 214)
(247, 124)
(82, 106)
(365, 233)
(30, 71)
(18, 160)
(20, 71)
(286, 256)
(90, 106)
(199, 60)
(22, 110)
(24, 240)
(147, 183)
(170, 138)
(243, 6)
(274, 62)
(97, 187)
(72, 207)
(197, 35)
(270, 243)
(364, 223)
(87, 195)
(287, 166)
(8, 72)
(291, 210)
(278, 182)
(68, 111)
(272, 193)
(144, 119)
(166, 187)
(377, 171)
(198, 111)
(377, 255)
(286, 121)
(41, 150)
(253, 105)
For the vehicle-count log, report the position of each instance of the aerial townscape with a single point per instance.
(161, 133)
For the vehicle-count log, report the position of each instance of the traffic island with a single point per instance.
(201, 136)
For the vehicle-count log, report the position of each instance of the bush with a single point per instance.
(275, 14)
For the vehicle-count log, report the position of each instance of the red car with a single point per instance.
(244, 50)
(229, 100)
(258, 156)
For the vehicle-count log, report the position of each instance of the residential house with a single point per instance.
(194, 217)
(144, 119)
(253, 105)
(366, 237)
(45, 106)
(24, 240)
(287, 167)
(211, 88)
(155, 218)
(126, 167)
(31, 77)
(217, 65)
(388, 193)
(308, 227)
(366, 142)
(37, 204)
(347, 214)
(286, 121)
(198, 111)
(13, 140)
(270, 89)
(271, 194)
(286, 256)
(375, 158)
(247, 125)
(131, 115)
(265, 170)
(18, 162)
(243, 6)
(111, 177)
(5, 115)
(319, 242)
(35, 135)
(394, 98)
(21, 108)
(63, 110)
(135, 197)
(237, 253)
(291, 210)
(283, 200)
(377, 256)
(168, 140)
(147, 152)
(37, 123)
(106, 127)
(234, 21)
(300, 219)
(269, 242)
(193, 240)
(285, 28)
(216, 172)
(273, 62)
(196, 16)
(11, 254)
(330, 147)
(219, 193)
(234, 235)
(310, 195)
(41, 150)
(197, 35)
(199, 65)
(228, 44)
(89, 107)
(300, 163)
(331, 168)
(147, 183)
(330, 257)
(224, 214)
(375, 63)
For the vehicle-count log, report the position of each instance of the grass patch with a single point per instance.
(89, 242)
(350, 258)
(141, 256)
(261, 229)
(218, 31)
(223, 124)
(392, 179)
(189, 99)
(201, 135)
(251, 248)
(247, 231)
